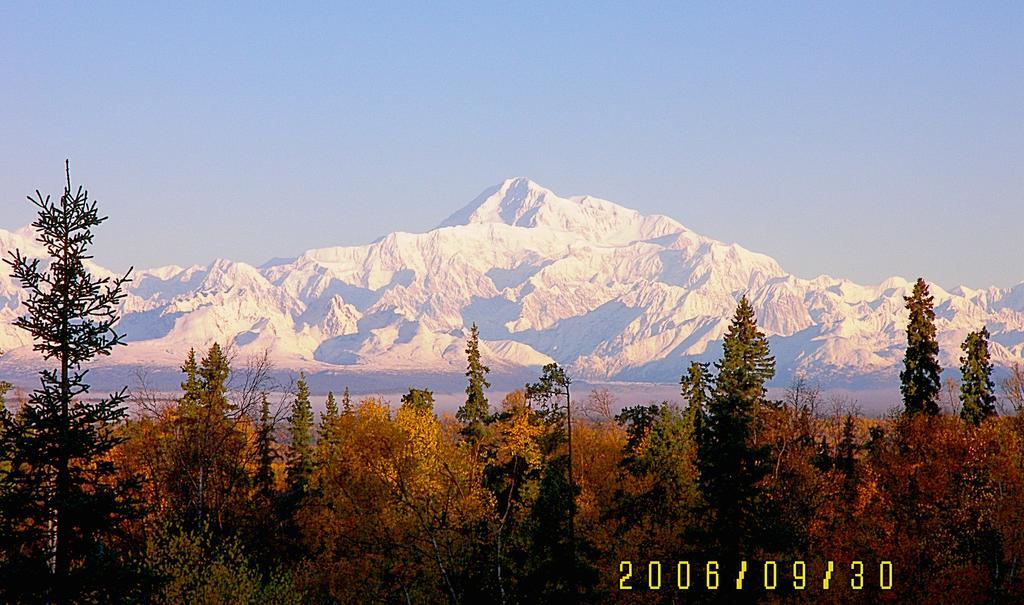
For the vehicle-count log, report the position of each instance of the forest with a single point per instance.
(232, 493)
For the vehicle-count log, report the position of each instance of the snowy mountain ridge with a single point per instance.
(604, 290)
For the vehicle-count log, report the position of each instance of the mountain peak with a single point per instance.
(509, 202)
(520, 202)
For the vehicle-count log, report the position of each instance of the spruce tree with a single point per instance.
(420, 400)
(977, 391)
(696, 391)
(730, 463)
(746, 363)
(208, 444)
(474, 413)
(327, 419)
(346, 402)
(846, 449)
(191, 387)
(300, 428)
(919, 380)
(330, 406)
(64, 497)
(265, 452)
(213, 373)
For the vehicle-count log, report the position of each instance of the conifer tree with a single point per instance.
(696, 390)
(265, 451)
(846, 449)
(330, 406)
(746, 363)
(420, 400)
(730, 463)
(919, 379)
(300, 428)
(213, 373)
(191, 387)
(474, 413)
(325, 433)
(64, 495)
(977, 391)
(346, 402)
(208, 449)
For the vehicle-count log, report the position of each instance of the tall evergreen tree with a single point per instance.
(730, 463)
(64, 498)
(346, 402)
(213, 373)
(474, 413)
(330, 406)
(846, 449)
(746, 363)
(300, 428)
(977, 391)
(325, 433)
(208, 450)
(265, 452)
(191, 387)
(919, 380)
(696, 387)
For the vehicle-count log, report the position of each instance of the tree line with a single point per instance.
(228, 493)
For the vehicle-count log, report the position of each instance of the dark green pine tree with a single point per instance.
(346, 402)
(213, 373)
(420, 400)
(330, 406)
(265, 452)
(207, 441)
(730, 463)
(475, 412)
(977, 391)
(300, 428)
(192, 388)
(919, 380)
(746, 363)
(64, 499)
(696, 386)
(328, 420)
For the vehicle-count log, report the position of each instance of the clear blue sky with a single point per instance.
(855, 139)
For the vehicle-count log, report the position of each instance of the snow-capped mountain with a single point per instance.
(604, 290)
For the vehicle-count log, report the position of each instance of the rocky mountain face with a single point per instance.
(610, 293)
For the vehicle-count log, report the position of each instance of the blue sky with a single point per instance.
(856, 139)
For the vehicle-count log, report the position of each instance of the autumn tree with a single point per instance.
(557, 500)
(513, 477)
(977, 391)
(919, 379)
(64, 499)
